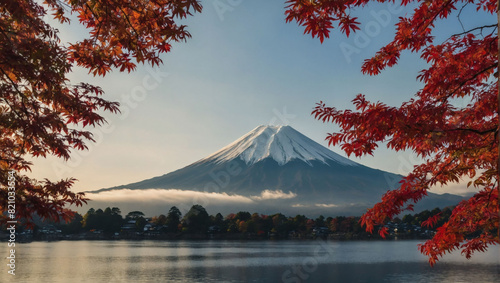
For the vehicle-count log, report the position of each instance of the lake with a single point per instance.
(242, 261)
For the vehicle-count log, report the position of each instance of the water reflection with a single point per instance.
(234, 261)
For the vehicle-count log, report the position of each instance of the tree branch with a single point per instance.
(476, 28)
(465, 81)
(458, 16)
(467, 130)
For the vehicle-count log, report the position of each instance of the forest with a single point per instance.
(198, 224)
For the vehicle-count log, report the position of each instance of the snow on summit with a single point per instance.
(281, 143)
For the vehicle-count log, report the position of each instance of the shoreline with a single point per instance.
(211, 237)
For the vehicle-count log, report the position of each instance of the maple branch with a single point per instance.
(458, 16)
(466, 130)
(96, 17)
(431, 20)
(476, 28)
(14, 85)
(465, 81)
(129, 23)
(98, 33)
(434, 178)
(490, 193)
(62, 3)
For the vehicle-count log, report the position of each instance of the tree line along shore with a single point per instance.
(109, 224)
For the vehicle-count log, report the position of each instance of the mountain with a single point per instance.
(276, 166)
(283, 144)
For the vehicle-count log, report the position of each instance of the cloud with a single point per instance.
(326, 205)
(175, 196)
(154, 201)
(168, 196)
(299, 205)
(158, 201)
(278, 194)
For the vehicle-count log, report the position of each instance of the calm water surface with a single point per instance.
(235, 261)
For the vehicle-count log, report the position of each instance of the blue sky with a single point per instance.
(243, 67)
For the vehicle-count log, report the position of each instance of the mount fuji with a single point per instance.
(277, 167)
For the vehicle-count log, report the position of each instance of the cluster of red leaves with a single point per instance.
(41, 112)
(455, 141)
(318, 16)
(468, 218)
(119, 30)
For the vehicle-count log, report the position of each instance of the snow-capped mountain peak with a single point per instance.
(281, 143)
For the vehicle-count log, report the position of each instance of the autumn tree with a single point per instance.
(41, 111)
(196, 219)
(134, 215)
(160, 219)
(173, 219)
(454, 141)
(108, 220)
